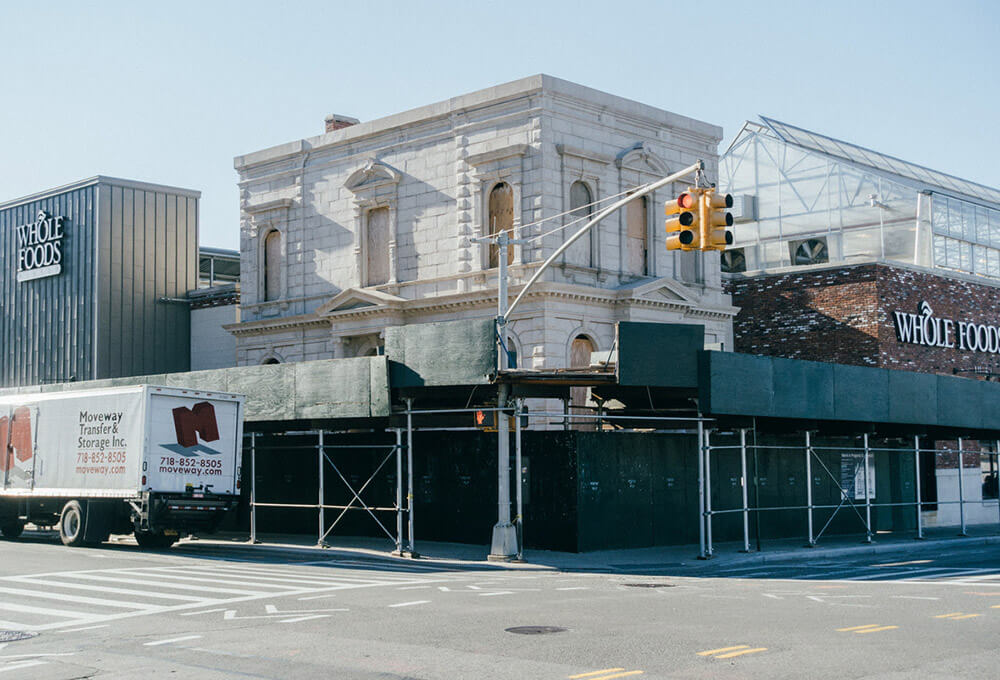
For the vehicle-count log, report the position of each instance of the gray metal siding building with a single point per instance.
(89, 271)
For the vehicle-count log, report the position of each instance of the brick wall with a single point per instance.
(845, 315)
(828, 315)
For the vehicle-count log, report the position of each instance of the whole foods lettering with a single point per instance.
(923, 328)
(39, 247)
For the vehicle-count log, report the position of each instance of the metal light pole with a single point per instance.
(504, 544)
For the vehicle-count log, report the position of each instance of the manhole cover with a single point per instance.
(15, 635)
(648, 585)
(535, 630)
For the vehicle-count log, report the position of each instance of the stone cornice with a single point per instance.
(476, 300)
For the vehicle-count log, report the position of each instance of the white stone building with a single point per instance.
(372, 225)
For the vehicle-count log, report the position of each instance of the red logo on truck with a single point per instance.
(15, 437)
(194, 421)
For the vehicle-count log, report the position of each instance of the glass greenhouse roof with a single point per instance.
(881, 162)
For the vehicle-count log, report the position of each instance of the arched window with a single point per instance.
(272, 265)
(579, 357)
(636, 260)
(269, 361)
(580, 199)
(501, 217)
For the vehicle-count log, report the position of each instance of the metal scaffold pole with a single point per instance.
(520, 479)
(809, 489)
(409, 475)
(701, 490)
(744, 483)
(961, 488)
(708, 493)
(868, 499)
(916, 468)
(399, 491)
(320, 453)
(253, 487)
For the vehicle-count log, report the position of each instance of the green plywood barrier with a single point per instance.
(750, 385)
(441, 354)
(658, 354)
(326, 389)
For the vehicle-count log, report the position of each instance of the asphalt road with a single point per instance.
(206, 612)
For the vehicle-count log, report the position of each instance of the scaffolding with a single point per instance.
(848, 498)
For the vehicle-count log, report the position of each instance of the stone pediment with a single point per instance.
(373, 175)
(663, 290)
(358, 298)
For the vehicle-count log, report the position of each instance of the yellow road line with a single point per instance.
(902, 564)
(722, 649)
(996, 606)
(848, 630)
(948, 616)
(741, 653)
(876, 630)
(619, 675)
(587, 675)
(967, 616)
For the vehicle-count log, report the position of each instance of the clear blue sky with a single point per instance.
(171, 92)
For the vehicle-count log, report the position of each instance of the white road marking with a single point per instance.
(469, 587)
(10, 606)
(774, 597)
(171, 640)
(102, 602)
(914, 597)
(198, 593)
(413, 588)
(20, 665)
(74, 630)
(409, 604)
(106, 589)
(161, 584)
(444, 589)
(501, 592)
(318, 597)
(574, 588)
(305, 618)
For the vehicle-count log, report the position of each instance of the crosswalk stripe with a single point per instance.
(310, 577)
(28, 609)
(103, 602)
(199, 579)
(162, 584)
(245, 577)
(111, 589)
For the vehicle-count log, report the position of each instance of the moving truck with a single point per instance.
(156, 461)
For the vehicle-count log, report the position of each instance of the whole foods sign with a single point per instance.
(923, 328)
(39, 247)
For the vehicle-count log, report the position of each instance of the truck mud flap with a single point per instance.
(97, 521)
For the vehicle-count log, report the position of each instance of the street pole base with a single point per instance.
(811, 544)
(406, 553)
(322, 544)
(504, 545)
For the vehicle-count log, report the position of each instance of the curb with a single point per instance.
(873, 549)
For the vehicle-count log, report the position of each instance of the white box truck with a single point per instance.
(156, 461)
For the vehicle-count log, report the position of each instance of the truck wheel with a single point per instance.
(71, 524)
(154, 540)
(12, 529)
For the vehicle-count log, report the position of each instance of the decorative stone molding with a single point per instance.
(376, 185)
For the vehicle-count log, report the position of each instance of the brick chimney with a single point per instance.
(335, 121)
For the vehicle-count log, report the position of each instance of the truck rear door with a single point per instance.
(193, 442)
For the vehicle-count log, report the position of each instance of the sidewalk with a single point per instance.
(726, 554)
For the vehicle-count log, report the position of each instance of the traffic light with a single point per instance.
(715, 220)
(683, 221)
